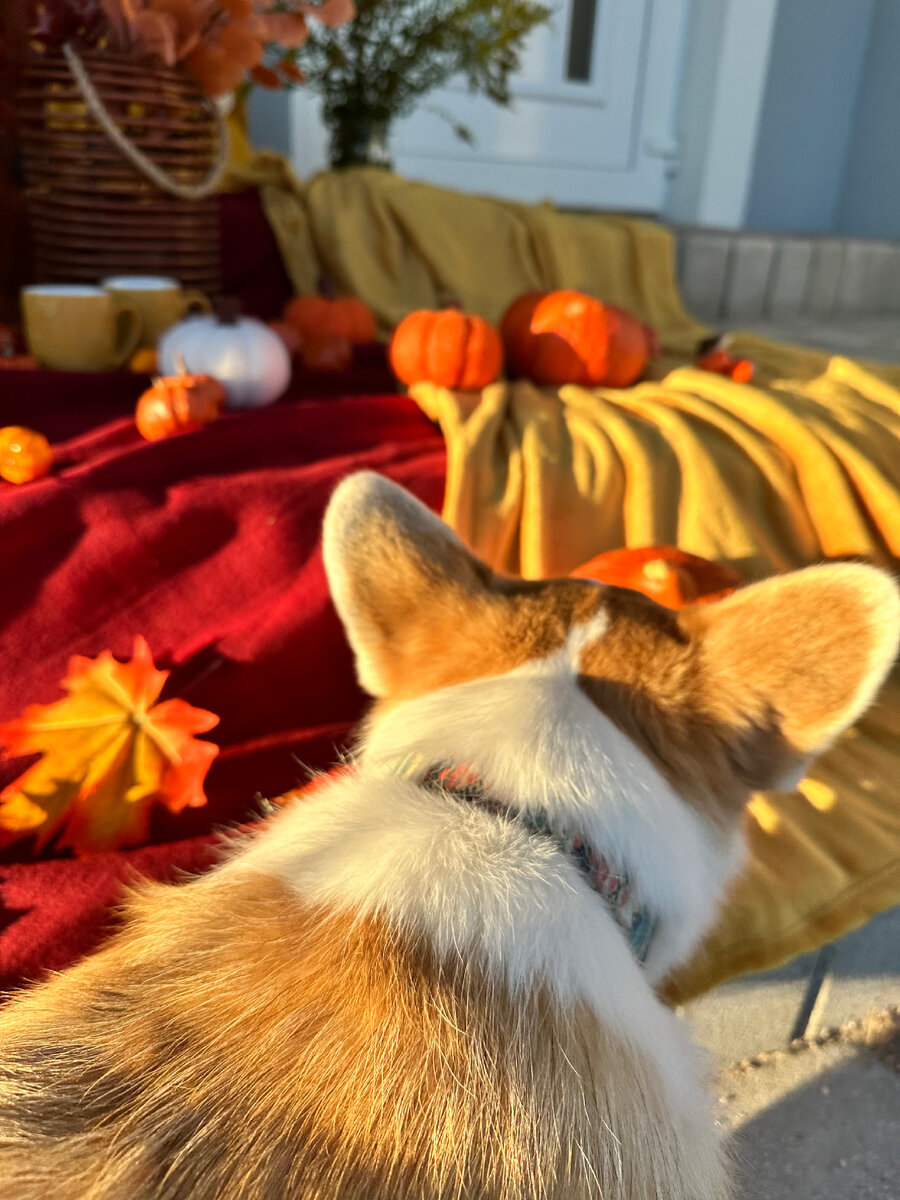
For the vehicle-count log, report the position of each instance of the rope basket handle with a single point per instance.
(137, 158)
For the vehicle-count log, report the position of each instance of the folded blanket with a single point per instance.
(402, 245)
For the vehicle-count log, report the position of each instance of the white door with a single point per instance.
(591, 123)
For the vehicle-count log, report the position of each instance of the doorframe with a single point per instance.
(725, 70)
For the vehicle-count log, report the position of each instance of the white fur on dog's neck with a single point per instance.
(473, 885)
(543, 747)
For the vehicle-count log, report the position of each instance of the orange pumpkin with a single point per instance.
(654, 343)
(720, 362)
(24, 454)
(12, 357)
(19, 362)
(143, 362)
(345, 316)
(515, 330)
(178, 404)
(289, 334)
(669, 576)
(629, 348)
(326, 353)
(568, 337)
(450, 348)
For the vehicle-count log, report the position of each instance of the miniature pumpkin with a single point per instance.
(24, 454)
(19, 362)
(327, 352)
(669, 576)
(450, 348)
(344, 316)
(720, 362)
(178, 404)
(12, 356)
(143, 361)
(568, 337)
(244, 355)
(289, 334)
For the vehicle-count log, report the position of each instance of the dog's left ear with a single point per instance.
(802, 654)
(393, 568)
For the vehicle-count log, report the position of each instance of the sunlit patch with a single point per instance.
(764, 814)
(820, 795)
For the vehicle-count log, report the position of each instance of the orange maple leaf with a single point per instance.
(110, 752)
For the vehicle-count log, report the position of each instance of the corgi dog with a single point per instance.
(434, 978)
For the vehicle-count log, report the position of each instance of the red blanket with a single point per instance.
(207, 544)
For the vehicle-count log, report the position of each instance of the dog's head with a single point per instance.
(723, 699)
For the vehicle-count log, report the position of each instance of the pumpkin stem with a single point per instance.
(228, 309)
(180, 365)
(717, 341)
(326, 287)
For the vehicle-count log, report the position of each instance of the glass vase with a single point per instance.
(359, 139)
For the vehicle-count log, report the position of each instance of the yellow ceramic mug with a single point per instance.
(74, 327)
(160, 301)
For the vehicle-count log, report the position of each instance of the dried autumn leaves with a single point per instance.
(220, 40)
(109, 753)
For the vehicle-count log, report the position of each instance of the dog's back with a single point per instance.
(402, 988)
(234, 1044)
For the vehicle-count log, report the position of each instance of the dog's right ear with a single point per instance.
(394, 570)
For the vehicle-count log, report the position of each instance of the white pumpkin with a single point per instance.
(247, 358)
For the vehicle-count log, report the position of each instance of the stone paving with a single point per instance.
(807, 1061)
(823, 1124)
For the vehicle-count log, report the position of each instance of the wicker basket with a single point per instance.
(85, 122)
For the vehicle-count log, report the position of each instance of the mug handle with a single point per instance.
(129, 327)
(197, 302)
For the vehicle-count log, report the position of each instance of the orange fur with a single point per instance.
(230, 1044)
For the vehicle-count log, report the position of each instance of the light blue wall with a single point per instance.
(724, 74)
(869, 204)
(807, 126)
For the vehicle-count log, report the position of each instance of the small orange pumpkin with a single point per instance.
(566, 336)
(327, 352)
(345, 316)
(450, 348)
(669, 576)
(289, 334)
(143, 361)
(19, 362)
(25, 454)
(721, 362)
(12, 357)
(178, 404)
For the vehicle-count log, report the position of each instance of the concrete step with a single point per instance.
(733, 278)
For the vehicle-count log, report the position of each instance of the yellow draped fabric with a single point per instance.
(800, 466)
(765, 478)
